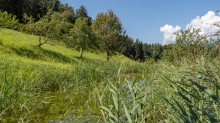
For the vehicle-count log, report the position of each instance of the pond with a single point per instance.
(81, 113)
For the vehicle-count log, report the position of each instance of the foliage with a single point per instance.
(82, 37)
(65, 13)
(82, 12)
(128, 102)
(126, 45)
(8, 21)
(200, 100)
(109, 27)
(51, 29)
(36, 8)
(189, 43)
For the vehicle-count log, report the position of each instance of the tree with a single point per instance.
(109, 27)
(82, 12)
(189, 43)
(52, 29)
(82, 38)
(65, 13)
(36, 8)
(139, 50)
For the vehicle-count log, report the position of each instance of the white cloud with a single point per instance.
(199, 22)
(204, 23)
(168, 30)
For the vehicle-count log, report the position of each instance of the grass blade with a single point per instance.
(205, 90)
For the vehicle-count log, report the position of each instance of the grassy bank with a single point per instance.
(52, 84)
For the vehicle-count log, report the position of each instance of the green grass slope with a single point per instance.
(24, 46)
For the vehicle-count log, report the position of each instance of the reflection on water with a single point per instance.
(80, 119)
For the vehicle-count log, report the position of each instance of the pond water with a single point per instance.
(87, 116)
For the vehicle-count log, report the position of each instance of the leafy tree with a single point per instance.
(65, 13)
(109, 27)
(189, 43)
(8, 21)
(51, 29)
(82, 12)
(82, 37)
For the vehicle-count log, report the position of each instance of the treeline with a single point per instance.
(58, 23)
(34, 8)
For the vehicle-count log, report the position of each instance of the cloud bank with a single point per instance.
(199, 22)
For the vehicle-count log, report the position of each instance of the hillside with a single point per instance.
(24, 46)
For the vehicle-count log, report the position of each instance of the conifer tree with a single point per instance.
(82, 12)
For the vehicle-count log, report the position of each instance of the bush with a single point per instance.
(189, 44)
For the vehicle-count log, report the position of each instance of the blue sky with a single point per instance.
(154, 21)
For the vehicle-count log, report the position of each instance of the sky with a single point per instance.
(155, 21)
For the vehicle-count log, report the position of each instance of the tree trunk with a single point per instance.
(39, 40)
(108, 55)
(81, 52)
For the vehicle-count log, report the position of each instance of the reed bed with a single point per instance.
(99, 91)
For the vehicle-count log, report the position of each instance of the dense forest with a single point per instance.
(75, 28)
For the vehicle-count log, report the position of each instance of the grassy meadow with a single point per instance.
(52, 84)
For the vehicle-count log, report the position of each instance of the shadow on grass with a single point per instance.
(88, 60)
(38, 53)
(1, 42)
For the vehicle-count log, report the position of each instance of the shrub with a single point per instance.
(189, 44)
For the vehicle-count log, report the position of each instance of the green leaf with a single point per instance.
(210, 116)
(113, 86)
(205, 90)
(180, 107)
(135, 108)
(115, 99)
(135, 80)
(184, 97)
(203, 78)
(127, 114)
(103, 115)
(110, 113)
(186, 119)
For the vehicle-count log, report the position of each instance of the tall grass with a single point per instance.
(109, 91)
(35, 91)
(181, 92)
(199, 92)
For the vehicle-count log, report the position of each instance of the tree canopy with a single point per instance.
(81, 36)
(82, 12)
(36, 8)
(109, 27)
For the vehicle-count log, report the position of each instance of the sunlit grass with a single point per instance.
(18, 44)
